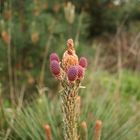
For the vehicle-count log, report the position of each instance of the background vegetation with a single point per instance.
(107, 32)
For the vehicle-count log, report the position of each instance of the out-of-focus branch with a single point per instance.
(42, 73)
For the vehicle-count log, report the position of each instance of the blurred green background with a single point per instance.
(107, 32)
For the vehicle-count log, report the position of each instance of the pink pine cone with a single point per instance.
(72, 73)
(54, 56)
(83, 62)
(55, 67)
(80, 72)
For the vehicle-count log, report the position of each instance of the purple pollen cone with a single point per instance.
(80, 71)
(54, 56)
(83, 62)
(55, 67)
(72, 73)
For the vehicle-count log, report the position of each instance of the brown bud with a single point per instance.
(69, 11)
(7, 14)
(36, 11)
(48, 132)
(6, 37)
(84, 135)
(35, 37)
(45, 6)
(70, 46)
(98, 128)
(56, 7)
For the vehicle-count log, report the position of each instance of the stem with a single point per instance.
(69, 113)
(10, 74)
(1, 108)
(42, 73)
(41, 80)
(78, 29)
(10, 71)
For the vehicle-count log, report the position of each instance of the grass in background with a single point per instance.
(100, 100)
